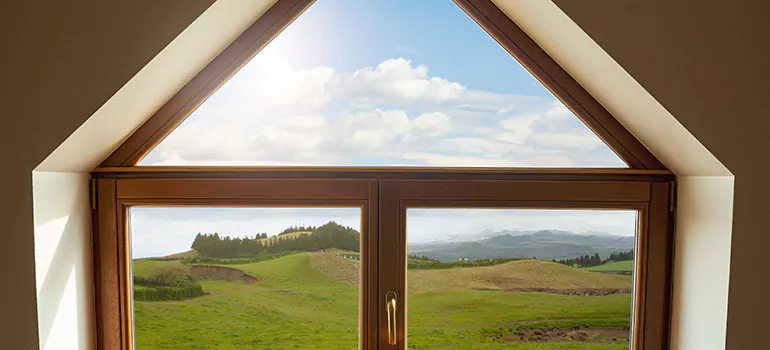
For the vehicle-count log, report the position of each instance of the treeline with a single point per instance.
(596, 260)
(424, 262)
(292, 229)
(329, 235)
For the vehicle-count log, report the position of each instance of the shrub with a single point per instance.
(168, 293)
(167, 282)
(170, 275)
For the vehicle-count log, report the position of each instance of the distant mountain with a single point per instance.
(482, 235)
(544, 244)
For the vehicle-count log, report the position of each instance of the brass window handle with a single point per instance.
(390, 308)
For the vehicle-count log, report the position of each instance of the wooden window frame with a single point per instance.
(512, 38)
(646, 186)
(384, 194)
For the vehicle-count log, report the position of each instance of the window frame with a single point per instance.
(652, 272)
(229, 185)
(384, 194)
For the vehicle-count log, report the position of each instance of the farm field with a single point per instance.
(626, 265)
(309, 300)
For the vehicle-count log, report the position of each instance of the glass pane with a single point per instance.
(521, 279)
(410, 83)
(245, 278)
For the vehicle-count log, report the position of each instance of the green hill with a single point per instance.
(522, 275)
(188, 254)
(625, 265)
(143, 267)
(544, 245)
(310, 301)
(292, 235)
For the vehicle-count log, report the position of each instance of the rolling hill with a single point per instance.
(292, 235)
(546, 244)
(625, 265)
(310, 300)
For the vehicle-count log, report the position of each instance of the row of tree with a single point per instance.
(300, 228)
(327, 236)
(596, 260)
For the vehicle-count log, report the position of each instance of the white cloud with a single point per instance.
(395, 113)
(506, 109)
(396, 80)
(429, 125)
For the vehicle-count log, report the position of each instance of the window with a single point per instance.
(323, 233)
(477, 277)
(385, 95)
(206, 277)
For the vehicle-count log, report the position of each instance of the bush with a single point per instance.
(221, 261)
(170, 275)
(167, 282)
(168, 293)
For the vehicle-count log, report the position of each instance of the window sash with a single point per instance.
(384, 194)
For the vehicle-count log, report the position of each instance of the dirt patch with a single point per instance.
(221, 273)
(613, 272)
(577, 333)
(580, 292)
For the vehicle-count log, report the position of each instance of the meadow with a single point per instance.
(626, 265)
(309, 300)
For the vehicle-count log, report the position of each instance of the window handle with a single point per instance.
(390, 307)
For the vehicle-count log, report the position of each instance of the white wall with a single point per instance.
(63, 260)
(701, 265)
(62, 230)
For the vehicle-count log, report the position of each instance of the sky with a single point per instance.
(161, 231)
(385, 83)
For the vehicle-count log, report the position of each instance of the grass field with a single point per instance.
(625, 265)
(310, 301)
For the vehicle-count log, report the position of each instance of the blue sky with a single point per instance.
(392, 82)
(437, 34)
(386, 82)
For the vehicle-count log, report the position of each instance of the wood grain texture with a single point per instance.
(392, 262)
(369, 269)
(243, 188)
(640, 279)
(124, 277)
(106, 267)
(659, 260)
(514, 40)
(425, 173)
(568, 191)
(206, 82)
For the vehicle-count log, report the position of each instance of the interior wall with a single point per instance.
(63, 260)
(61, 60)
(700, 174)
(701, 262)
(706, 62)
(69, 57)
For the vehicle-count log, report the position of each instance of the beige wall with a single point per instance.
(60, 61)
(706, 62)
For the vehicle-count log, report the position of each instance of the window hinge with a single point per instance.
(672, 196)
(92, 188)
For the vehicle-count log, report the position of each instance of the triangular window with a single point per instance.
(383, 83)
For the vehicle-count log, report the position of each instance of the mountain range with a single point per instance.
(544, 244)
